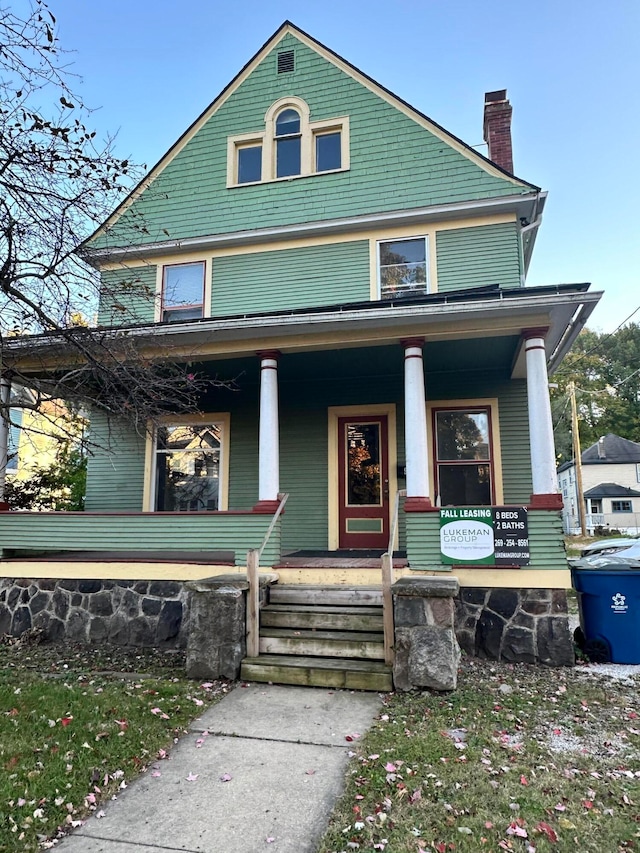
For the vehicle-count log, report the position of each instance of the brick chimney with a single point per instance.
(497, 128)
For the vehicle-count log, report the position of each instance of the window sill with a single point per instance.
(287, 178)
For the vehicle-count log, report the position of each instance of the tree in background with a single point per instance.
(606, 371)
(59, 486)
(58, 182)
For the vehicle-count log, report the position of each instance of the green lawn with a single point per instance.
(518, 758)
(74, 730)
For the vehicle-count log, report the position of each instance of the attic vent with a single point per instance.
(286, 61)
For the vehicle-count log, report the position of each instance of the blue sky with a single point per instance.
(571, 70)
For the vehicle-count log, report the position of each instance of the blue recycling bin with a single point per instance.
(609, 599)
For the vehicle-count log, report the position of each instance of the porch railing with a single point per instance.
(253, 578)
(387, 581)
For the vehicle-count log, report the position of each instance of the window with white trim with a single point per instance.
(183, 292)
(289, 146)
(403, 268)
(463, 456)
(188, 461)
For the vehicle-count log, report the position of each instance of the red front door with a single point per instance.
(363, 482)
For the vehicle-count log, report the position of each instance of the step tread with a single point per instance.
(346, 609)
(357, 665)
(338, 636)
(325, 595)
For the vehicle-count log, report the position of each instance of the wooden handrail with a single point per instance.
(387, 581)
(253, 578)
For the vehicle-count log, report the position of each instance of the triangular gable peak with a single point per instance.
(288, 35)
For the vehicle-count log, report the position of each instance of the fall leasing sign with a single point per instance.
(487, 535)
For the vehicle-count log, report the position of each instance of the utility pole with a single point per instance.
(577, 456)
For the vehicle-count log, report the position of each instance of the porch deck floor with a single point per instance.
(343, 559)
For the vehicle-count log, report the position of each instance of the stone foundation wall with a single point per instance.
(515, 625)
(427, 653)
(123, 612)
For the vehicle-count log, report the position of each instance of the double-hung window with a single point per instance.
(288, 144)
(188, 467)
(183, 292)
(464, 465)
(402, 267)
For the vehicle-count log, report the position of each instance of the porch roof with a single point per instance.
(563, 309)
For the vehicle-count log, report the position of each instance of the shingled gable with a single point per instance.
(493, 182)
(611, 449)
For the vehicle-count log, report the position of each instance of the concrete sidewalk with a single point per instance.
(268, 773)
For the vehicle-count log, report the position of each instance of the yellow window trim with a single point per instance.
(334, 413)
(184, 260)
(490, 403)
(267, 139)
(381, 233)
(201, 418)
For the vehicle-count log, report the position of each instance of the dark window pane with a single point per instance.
(403, 267)
(363, 464)
(328, 152)
(462, 435)
(464, 485)
(403, 252)
(249, 164)
(287, 123)
(187, 468)
(288, 157)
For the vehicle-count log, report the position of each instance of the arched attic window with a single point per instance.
(288, 142)
(289, 145)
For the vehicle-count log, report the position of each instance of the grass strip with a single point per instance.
(519, 758)
(73, 736)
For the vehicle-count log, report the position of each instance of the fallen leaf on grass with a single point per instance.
(547, 830)
(160, 713)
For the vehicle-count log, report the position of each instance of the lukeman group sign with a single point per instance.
(496, 536)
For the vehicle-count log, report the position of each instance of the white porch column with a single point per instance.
(543, 455)
(5, 398)
(415, 428)
(269, 435)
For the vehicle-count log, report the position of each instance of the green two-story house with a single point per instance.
(352, 276)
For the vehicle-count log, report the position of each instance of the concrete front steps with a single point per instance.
(321, 637)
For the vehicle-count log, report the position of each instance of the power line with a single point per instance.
(601, 341)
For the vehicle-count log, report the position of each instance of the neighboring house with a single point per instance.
(359, 271)
(611, 486)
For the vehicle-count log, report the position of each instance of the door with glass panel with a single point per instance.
(363, 482)
(463, 456)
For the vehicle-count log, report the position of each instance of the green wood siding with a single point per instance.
(473, 257)
(127, 296)
(310, 383)
(291, 278)
(52, 531)
(514, 433)
(514, 424)
(546, 542)
(395, 163)
(115, 469)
